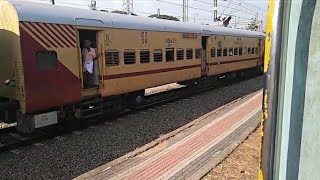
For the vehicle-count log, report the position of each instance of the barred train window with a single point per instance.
(198, 54)
(157, 55)
(240, 51)
(144, 56)
(180, 54)
(225, 52)
(230, 52)
(213, 52)
(112, 57)
(219, 52)
(245, 50)
(235, 51)
(47, 60)
(169, 54)
(129, 57)
(189, 53)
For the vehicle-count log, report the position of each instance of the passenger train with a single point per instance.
(41, 67)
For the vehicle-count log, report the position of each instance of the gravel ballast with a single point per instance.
(77, 153)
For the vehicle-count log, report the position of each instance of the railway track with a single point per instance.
(11, 140)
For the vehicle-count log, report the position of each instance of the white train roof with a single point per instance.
(47, 13)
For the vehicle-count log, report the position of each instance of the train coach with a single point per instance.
(41, 64)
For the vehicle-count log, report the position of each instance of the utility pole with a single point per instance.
(187, 7)
(127, 6)
(185, 10)
(53, 3)
(93, 5)
(215, 10)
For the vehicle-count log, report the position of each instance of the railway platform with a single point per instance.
(191, 151)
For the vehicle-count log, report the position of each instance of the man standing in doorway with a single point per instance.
(88, 55)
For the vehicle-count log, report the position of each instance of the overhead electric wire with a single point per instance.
(112, 9)
(264, 10)
(204, 2)
(226, 8)
(198, 8)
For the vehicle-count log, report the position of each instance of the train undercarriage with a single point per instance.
(78, 115)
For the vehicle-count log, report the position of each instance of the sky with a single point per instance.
(200, 11)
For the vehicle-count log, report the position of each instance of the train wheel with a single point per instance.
(69, 123)
(135, 99)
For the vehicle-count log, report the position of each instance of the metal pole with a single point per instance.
(132, 6)
(215, 10)
(271, 68)
(184, 10)
(187, 7)
(53, 3)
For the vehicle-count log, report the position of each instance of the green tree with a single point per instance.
(252, 25)
(167, 17)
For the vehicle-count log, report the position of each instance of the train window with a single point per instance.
(169, 54)
(230, 52)
(144, 56)
(249, 50)
(47, 60)
(157, 55)
(256, 50)
(213, 52)
(180, 54)
(129, 57)
(240, 51)
(112, 57)
(198, 54)
(225, 52)
(252, 50)
(219, 52)
(189, 53)
(235, 51)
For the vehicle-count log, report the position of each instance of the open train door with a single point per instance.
(204, 56)
(101, 43)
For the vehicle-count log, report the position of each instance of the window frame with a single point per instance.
(236, 51)
(154, 59)
(213, 52)
(219, 52)
(230, 50)
(129, 51)
(183, 54)
(192, 53)
(148, 59)
(112, 51)
(170, 50)
(225, 52)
